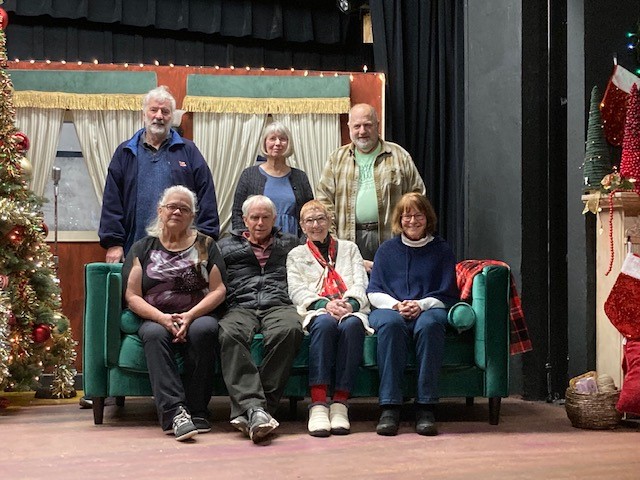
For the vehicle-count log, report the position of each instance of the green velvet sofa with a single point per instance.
(476, 360)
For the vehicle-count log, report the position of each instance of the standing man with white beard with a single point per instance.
(155, 158)
(362, 182)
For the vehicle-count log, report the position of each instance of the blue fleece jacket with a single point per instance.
(188, 168)
(413, 273)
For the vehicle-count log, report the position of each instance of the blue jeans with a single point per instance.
(336, 346)
(394, 334)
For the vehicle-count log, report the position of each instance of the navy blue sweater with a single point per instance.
(414, 273)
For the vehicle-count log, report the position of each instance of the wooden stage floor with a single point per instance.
(46, 439)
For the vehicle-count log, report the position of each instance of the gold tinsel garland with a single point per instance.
(5, 347)
(77, 101)
(193, 103)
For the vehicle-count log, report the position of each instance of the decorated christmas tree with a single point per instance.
(35, 337)
(597, 161)
(630, 162)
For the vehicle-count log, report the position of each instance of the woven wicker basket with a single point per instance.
(595, 411)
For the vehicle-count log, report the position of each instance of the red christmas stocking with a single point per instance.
(613, 108)
(629, 400)
(623, 303)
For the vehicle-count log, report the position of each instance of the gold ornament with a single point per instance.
(26, 168)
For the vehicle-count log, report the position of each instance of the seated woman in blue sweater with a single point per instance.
(413, 283)
(287, 187)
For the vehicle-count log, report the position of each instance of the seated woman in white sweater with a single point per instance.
(327, 283)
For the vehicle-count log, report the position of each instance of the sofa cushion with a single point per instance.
(129, 322)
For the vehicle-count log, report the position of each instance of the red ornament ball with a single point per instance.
(12, 319)
(22, 142)
(16, 235)
(4, 281)
(45, 229)
(4, 19)
(41, 333)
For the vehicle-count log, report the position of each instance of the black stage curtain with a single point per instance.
(272, 34)
(419, 46)
(292, 21)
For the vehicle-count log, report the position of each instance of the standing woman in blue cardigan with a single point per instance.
(413, 283)
(287, 187)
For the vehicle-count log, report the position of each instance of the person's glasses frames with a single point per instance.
(172, 207)
(310, 221)
(418, 217)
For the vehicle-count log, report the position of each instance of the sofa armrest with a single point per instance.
(490, 301)
(94, 371)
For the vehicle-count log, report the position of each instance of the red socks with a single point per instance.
(319, 394)
(340, 396)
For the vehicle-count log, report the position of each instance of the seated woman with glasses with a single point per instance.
(327, 283)
(287, 187)
(174, 280)
(412, 284)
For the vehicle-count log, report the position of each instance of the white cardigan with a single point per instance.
(304, 277)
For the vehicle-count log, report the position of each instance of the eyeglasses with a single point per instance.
(418, 217)
(172, 207)
(310, 221)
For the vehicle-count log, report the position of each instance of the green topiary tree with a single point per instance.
(597, 158)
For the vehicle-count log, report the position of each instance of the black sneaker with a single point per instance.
(183, 427)
(261, 424)
(202, 424)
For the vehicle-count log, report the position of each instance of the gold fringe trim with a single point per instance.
(77, 101)
(265, 105)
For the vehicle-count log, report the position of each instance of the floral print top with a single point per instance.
(174, 282)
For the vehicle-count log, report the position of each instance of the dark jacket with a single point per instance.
(252, 182)
(249, 285)
(188, 168)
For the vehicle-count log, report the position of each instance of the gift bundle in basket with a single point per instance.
(591, 402)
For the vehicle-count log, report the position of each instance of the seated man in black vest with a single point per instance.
(258, 302)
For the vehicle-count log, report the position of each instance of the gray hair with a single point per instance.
(161, 93)
(155, 227)
(254, 201)
(276, 127)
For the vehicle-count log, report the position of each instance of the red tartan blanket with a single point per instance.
(518, 332)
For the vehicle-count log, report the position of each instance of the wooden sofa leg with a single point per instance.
(494, 410)
(120, 401)
(469, 401)
(98, 410)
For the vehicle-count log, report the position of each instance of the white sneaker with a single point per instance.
(241, 423)
(319, 424)
(339, 418)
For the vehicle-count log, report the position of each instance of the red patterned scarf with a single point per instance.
(332, 284)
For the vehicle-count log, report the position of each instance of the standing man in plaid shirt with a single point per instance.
(362, 182)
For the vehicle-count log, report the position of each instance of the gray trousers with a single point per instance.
(248, 385)
(368, 243)
(193, 390)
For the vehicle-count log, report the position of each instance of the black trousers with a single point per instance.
(193, 390)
